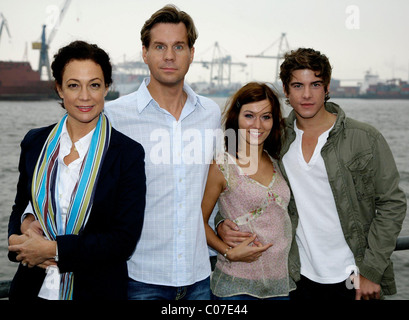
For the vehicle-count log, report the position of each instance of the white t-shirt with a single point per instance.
(325, 256)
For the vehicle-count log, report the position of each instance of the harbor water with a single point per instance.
(391, 117)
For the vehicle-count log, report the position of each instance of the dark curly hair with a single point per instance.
(80, 50)
(306, 58)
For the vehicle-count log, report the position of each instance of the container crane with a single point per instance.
(217, 66)
(4, 24)
(280, 53)
(45, 44)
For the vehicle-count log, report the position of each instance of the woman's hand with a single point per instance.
(35, 250)
(17, 239)
(247, 251)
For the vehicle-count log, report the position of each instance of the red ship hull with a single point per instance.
(18, 81)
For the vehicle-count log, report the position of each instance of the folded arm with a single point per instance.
(248, 250)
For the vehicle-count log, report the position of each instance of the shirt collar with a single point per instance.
(82, 145)
(144, 97)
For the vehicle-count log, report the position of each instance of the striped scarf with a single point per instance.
(43, 189)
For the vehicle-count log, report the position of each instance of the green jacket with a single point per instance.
(365, 184)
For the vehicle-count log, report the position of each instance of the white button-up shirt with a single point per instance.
(172, 249)
(68, 176)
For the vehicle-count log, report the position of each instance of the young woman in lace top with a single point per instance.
(252, 193)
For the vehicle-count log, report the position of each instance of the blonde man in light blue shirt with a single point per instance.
(178, 131)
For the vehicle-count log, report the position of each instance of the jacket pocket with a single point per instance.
(362, 175)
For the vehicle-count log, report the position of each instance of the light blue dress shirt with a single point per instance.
(172, 249)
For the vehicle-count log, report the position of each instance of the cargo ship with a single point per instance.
(371, 88)
(18, 81)
(391, 89)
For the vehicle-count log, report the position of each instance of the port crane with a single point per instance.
(43, 46)
(4, 24)
(218, 73)
(283, 47)
(136, 67)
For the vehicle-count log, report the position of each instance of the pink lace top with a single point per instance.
(261, 210)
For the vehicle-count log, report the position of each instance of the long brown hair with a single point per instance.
(254, 92)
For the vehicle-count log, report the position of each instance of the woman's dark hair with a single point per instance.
(81, 50)
(306, 58)
(254, 92)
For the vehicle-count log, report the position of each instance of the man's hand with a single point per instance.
(30, 222)
(367, 289)
(229, 232)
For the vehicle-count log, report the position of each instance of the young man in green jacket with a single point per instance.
(347, 208)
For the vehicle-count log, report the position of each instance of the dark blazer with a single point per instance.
(98, 255)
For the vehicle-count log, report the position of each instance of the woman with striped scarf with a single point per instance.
(80, 200)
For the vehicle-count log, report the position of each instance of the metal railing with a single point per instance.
(4, 288)
(402, 243)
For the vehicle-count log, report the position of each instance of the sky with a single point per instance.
(356, 35)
